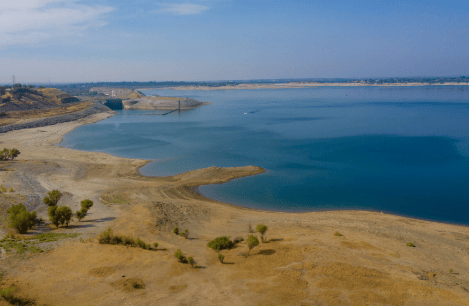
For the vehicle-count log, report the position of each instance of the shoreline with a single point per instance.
(195, 189)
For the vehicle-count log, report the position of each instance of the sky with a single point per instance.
(201, 40)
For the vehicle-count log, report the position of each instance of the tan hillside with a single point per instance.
(20, 99)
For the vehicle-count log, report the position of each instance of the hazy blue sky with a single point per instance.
(143, 40)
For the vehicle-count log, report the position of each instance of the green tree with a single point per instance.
(4, 154)
(60, 215)
(176, 230)
(52, 198)
(221, 257)
(21, 219)
(14, 153)
(261, 228)
(85, 206)
(252, 242)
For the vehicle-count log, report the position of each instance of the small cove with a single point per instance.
(398, 150)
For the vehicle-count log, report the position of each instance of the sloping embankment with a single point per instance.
(95, 109)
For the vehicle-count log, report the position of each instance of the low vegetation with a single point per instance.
(7, 154)
(176, 230)
(13, 243)
(221, 243)
(107, 237)
(410, 244)
(261, 228)
(21, 219)
(337, 234)
(221, 257)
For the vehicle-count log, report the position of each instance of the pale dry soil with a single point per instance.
(302, 262)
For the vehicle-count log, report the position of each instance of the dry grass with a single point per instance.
(17, 117)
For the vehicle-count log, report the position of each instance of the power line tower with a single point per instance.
(13, 81)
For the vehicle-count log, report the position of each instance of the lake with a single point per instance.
(400, 150)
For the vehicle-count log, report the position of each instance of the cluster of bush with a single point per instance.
(184, 234)
(183, 259)
(23, 220)
(224, 242)
(58, 215)
(108, 237)
(7, 154)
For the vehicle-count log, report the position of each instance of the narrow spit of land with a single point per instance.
(308, 84)
(317, 258)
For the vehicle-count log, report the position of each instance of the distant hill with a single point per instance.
(24, 98)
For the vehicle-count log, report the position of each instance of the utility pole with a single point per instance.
(13, 81)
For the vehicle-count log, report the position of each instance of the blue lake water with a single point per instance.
(401, 150)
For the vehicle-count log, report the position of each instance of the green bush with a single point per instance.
(176, 230)
(86, 204)
(21, 219)
(191, 261)
(221, 257)
(52, 198)
(105, 237)
(410, 244)
(140, 243)
(60, 215)
(180, 256)
(155, 245)
(185, 234)
(7, 293)
(337, 234)
(252, 242)
(261, 228)
(221, 243)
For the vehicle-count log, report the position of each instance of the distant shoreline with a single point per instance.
(306, 85)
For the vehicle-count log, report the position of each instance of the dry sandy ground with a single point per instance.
(302, 85)
(302, 262)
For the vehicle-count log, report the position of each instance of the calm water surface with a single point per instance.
(398, 150)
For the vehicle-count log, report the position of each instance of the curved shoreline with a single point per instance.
(194, 188)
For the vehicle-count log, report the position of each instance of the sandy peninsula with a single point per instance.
(308, 84)
(302, 262)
